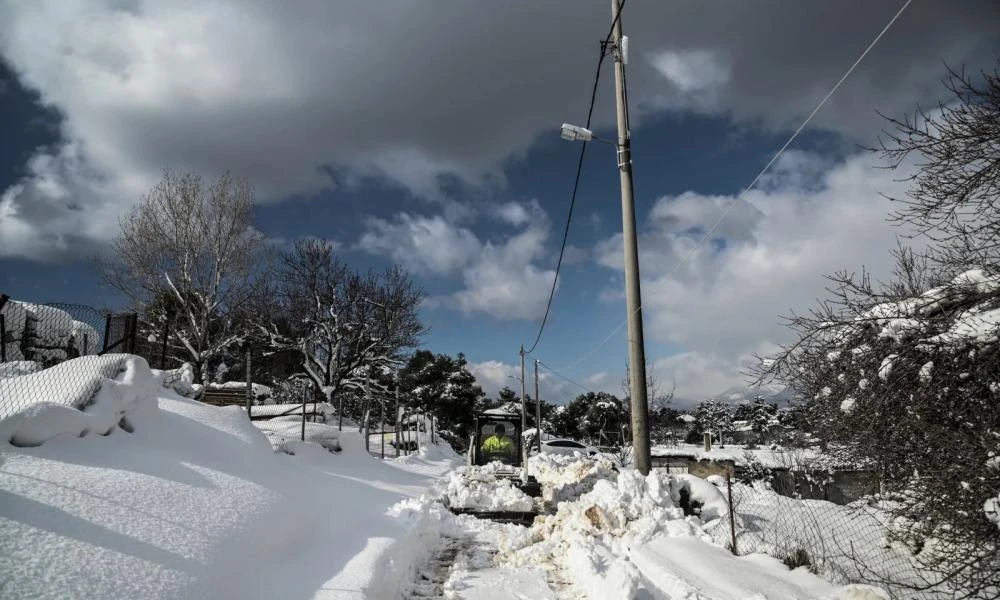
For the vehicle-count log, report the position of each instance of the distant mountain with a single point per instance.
(779, 395)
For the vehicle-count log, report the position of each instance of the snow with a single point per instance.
(505, 410)
(925, 371)
(42, 405)
(259, 389)
(885, 369)
(324, 409)
(976, 324)
(179, 499)
(847, 406)
(771, 457)
(286, 435)
(193, 502)
(564, 478)
(480, 489)
(19, 367)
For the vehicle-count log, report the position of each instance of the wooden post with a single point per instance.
(708, 441)
(382, 426)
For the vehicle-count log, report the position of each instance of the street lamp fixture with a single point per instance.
(575, 133)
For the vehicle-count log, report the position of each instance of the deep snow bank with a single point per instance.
(193, 503)
(91, 394)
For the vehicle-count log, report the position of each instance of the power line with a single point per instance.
(561, 376)
(756, 179)
(576, 182)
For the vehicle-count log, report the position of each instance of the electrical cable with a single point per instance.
(756, 179)
(576, 182)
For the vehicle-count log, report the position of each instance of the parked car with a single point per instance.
(567, 447)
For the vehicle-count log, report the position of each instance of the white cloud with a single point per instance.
(500, 278)
(424, 245)
(493, 375)
(513, 213)
(724, 305)
(693, 72)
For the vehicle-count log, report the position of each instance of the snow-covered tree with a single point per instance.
(190, 248)
(715, 418)
(759, 415)
(443, 386)
(343, 325)
(903, 376)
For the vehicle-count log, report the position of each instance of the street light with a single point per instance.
(575, 133)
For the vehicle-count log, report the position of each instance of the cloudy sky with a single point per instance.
(427, 134)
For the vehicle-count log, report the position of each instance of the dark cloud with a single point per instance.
(288, 93)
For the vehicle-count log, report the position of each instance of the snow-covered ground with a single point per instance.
(143, 493)
(195, 503)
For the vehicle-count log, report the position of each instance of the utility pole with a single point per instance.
(538, 412)
(524, 407)
(633, 296)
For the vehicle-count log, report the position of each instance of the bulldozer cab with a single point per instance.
(496, 438)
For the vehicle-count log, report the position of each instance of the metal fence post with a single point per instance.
(305, 395)
(107, 332)
(3, 329)
(133, 332)
(163, 343)
(732, 514)
(249, 381)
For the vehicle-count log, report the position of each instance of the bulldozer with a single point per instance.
(497, 437)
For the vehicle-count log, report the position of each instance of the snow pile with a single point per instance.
(285, 435)
(588, 538)
(19, 367)
(180, 380)
(481, 489)
(564, 478)
(91, 394)
(196, 504)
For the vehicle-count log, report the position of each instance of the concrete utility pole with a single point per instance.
(633, 296)
(538, 412)
(524, 401)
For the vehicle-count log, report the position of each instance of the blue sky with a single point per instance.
(362, 125)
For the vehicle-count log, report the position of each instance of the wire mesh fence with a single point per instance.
(59, 353)
(858, 542)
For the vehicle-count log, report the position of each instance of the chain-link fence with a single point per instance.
(38, 343)
(858, 542)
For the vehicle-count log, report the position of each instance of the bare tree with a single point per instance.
(901, 376)
(344, 325)
(952, 198)
(190, 248)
